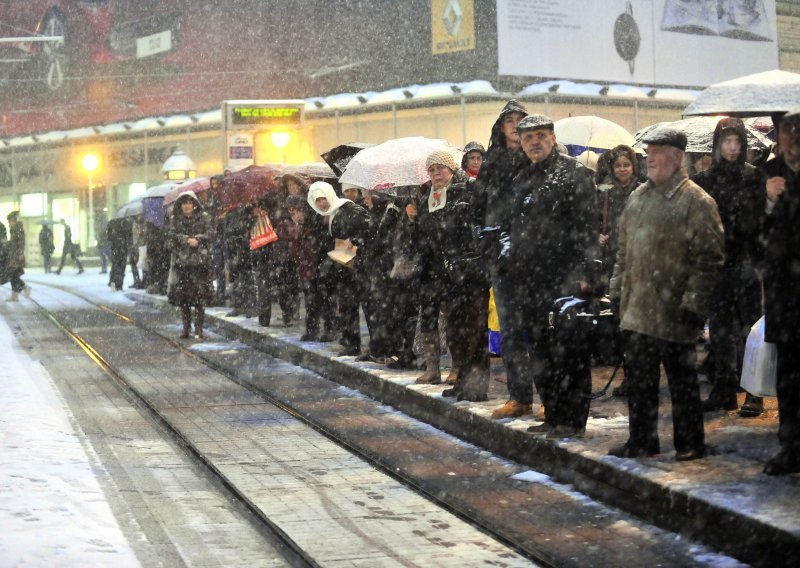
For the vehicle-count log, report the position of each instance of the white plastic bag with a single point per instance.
(760, 366)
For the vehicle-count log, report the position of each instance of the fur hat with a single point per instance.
(443, 158)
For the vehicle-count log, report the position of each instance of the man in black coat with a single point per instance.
(118, 234)
(781, 282)
(736, 301)
(492, 207)
(551, 249)
(68, 250)
(47, 246)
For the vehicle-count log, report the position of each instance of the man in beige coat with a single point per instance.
(670, 253)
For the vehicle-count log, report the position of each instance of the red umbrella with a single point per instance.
(246, 186)
(198, 185)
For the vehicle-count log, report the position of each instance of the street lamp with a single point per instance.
(280, 140)
(90, 164)
(179, 166)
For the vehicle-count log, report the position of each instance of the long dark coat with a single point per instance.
(782, 268)
(16, 248)
(492, 205)
(46, 241)
(3, 254)
(191, 281)
(616, 197)
(740, 199)
(447, 244)
(553, 236)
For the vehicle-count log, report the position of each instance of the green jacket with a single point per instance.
(670, 252)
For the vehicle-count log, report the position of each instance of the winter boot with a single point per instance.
(753, 406)
(430, 346)
(14, 296)
(472, 384)
(721, 397)
(199, 317)
(186, 317)
(452, 375)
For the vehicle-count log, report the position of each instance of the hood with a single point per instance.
(497, 139)
(725, 126)
(323, 189)
(469, 148)
(183, 197)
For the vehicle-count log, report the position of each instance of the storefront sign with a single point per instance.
(452, 26)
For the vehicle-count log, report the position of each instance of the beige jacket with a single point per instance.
(670, 252)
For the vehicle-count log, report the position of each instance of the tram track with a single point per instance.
(298, 556)
(522, 517)
(539, 557)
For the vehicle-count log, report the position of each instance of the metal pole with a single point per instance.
(90, 216)
(463, 120)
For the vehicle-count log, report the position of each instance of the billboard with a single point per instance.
(71, 63)
(690, 43)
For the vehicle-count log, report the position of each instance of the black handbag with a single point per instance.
(587, 322)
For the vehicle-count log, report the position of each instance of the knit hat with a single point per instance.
(443, 158)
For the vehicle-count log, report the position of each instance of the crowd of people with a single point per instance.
(526, 220)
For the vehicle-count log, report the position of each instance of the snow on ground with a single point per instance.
(52, 509)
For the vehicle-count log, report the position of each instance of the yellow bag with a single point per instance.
(494, 321)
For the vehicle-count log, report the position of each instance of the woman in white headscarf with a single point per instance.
(349, 222)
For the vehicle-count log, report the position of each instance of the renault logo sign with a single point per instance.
(452, 26)
(452, 17)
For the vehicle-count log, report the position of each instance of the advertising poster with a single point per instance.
(688, 43)
(241, 150)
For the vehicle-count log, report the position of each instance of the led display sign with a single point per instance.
(245, 115)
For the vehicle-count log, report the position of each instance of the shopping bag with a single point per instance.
(495, 337)
(262, 233)
(760, 365)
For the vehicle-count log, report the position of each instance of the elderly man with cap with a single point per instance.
(781, 282)
(668, 261)
(550, 249)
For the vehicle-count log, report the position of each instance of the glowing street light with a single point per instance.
(90, 163)
(280, 139)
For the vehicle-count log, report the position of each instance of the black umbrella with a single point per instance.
(339, 156)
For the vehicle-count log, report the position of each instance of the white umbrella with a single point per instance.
(395, 163)
(699, 132)
(130, 209)
(160, 190)
(752, 95)
(591, 132)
